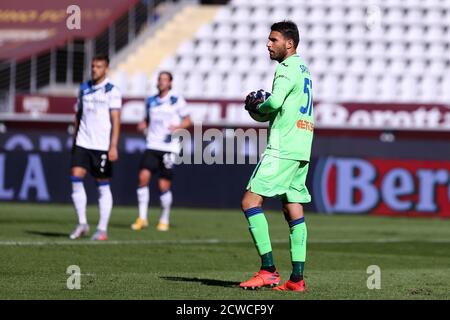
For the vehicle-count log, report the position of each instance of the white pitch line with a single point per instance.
(204, 241)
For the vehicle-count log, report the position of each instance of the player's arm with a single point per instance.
(146, 122)
(185, 123)
(282, 86)
(115, 105)
(113, 153)
(183, 113)
(79, 108)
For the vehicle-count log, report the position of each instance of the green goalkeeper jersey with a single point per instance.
(291, 103)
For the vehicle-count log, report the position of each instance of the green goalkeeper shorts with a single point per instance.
(281, 178)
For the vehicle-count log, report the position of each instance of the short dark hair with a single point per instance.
(101, 57)
(288, 29)
(169, 74)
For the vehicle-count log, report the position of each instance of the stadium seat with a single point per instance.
(395, 33)
(388, 86)
(186, 48)
(224, 48)
(357, 49)
(436, 66)
(413, 15)
(445, 89)
(336, 15)
(339, 64)
(338, 48)
(204, 64)
(358, 32)
(433, 17)
(330, 88)
(167, 64)
(368, 91)
(243, 30)
(139, 85)
(417, 67)
(120, 79)
(396, 50)
(436, 51)
(377, 66)
(252, 81)
(259, 15)
(186, 63)
(204, 46)
(394, 16)
(358, 65)
(223, 16)
(356, 15)
(232, 88)
(241, 15)
(194, 85)
(408, 88)
(434, 33)
(397, 66)
(223, 31)
(348, 87)
(428, 89)
(214, 85)
(278, 14)
(416, 50)
(224, 64)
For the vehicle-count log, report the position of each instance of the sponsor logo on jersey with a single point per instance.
(305, 125)
(304, 69)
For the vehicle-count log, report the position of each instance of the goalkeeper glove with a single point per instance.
(254, 99)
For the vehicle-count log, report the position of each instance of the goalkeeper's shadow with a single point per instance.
(207, 282)
(48, 234)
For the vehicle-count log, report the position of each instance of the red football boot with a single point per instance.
(262, 278)
(292, 286)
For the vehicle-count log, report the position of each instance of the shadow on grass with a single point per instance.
(128, 225)
(208, 282)
(121, 225)
(48, 234)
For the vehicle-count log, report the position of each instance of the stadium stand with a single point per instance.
(359, 51)
(380, 51)
(143, 59)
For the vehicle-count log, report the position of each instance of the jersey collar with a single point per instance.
(101, 84)
(292, 56)
(166, 97)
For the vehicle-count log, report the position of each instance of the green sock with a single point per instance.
(259, 229)
(298, 248)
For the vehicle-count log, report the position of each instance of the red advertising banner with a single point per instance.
(31, 27)
(383, 187)
(411, 117)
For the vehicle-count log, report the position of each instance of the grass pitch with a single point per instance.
(208, 252)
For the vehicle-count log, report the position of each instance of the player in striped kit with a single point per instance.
(97, 128)
(166, 113)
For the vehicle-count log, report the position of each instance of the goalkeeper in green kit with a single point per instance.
(283, 168)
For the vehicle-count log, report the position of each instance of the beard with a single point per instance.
(277, 56)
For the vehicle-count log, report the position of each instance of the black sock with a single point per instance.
(269, 268)
(296, 277)
(297, 271)
(267, 262)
